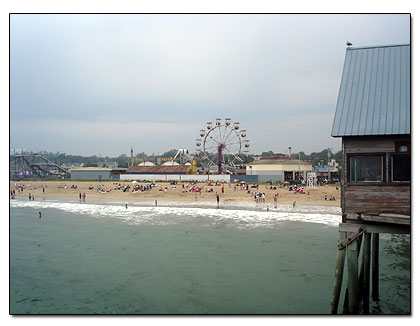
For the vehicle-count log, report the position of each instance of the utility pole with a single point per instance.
(299, 166)
(132, 157)
(328, 164)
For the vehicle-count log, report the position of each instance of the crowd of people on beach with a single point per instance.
(259, 197)
(216, 189)
(21, 187)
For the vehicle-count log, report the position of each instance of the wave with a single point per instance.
(228, 216)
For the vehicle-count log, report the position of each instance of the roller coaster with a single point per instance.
(24, 165)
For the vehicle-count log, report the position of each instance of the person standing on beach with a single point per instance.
(217, 199)
(80, 196)
(29, 196)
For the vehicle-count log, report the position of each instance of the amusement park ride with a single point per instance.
(33, 164)
(222, 144)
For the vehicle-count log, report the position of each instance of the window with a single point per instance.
(366, 168)
(400, 167)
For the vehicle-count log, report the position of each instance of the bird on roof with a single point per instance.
(348, 43)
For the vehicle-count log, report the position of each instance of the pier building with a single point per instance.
(373, 119)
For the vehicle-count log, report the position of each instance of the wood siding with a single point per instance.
(372, 144)
(377, 199)
(374, 198)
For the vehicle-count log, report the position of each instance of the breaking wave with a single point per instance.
(242, 215)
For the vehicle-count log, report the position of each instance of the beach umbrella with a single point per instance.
(134, 181)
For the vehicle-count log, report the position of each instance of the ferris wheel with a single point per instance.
(221, 144)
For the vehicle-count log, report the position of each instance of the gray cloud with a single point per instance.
(168, 74)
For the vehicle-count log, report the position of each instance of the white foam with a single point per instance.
(233, 216)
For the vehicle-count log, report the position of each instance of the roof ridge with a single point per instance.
(376, 46)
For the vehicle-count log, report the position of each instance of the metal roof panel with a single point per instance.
(374, 96)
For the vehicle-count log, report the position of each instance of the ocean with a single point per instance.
(101, 258)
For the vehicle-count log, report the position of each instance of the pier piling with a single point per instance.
(353, 281)
(360, 279)
(339, 269)
(366, 272)
(375, 267)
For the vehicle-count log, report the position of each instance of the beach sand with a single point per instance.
(312, 197)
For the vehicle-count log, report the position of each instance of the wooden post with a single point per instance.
(346, 303)
(361, 268)
(346, 296)
(366, 273)
(339, 269)
(375, 267)
(353, 282)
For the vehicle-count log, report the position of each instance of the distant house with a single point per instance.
(90, 173)
(373, 119)
(95, 173)
(278, 168)
(331, 170)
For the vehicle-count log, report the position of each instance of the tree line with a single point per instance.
(124, 160)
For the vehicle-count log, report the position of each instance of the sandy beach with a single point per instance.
(174, 193)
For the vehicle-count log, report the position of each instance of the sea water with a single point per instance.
(97, 258)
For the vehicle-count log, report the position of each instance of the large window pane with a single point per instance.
(401, 167)
(366, 168)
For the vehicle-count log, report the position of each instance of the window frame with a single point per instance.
(390, 168)
(367, 183)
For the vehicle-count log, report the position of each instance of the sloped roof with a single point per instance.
(158, 169)
(374, 96)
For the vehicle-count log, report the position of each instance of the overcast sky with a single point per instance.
(99, 84)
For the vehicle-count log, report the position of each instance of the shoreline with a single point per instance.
(174, 196)
(240, 206)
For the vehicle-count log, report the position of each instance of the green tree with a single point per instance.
(170, 153)
(269, 153)
(88, 165)
(122, 161)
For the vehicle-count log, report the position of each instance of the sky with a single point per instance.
(101, 84)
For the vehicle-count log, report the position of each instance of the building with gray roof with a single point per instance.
(373, 119)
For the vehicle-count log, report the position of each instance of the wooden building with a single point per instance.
(373, 119)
